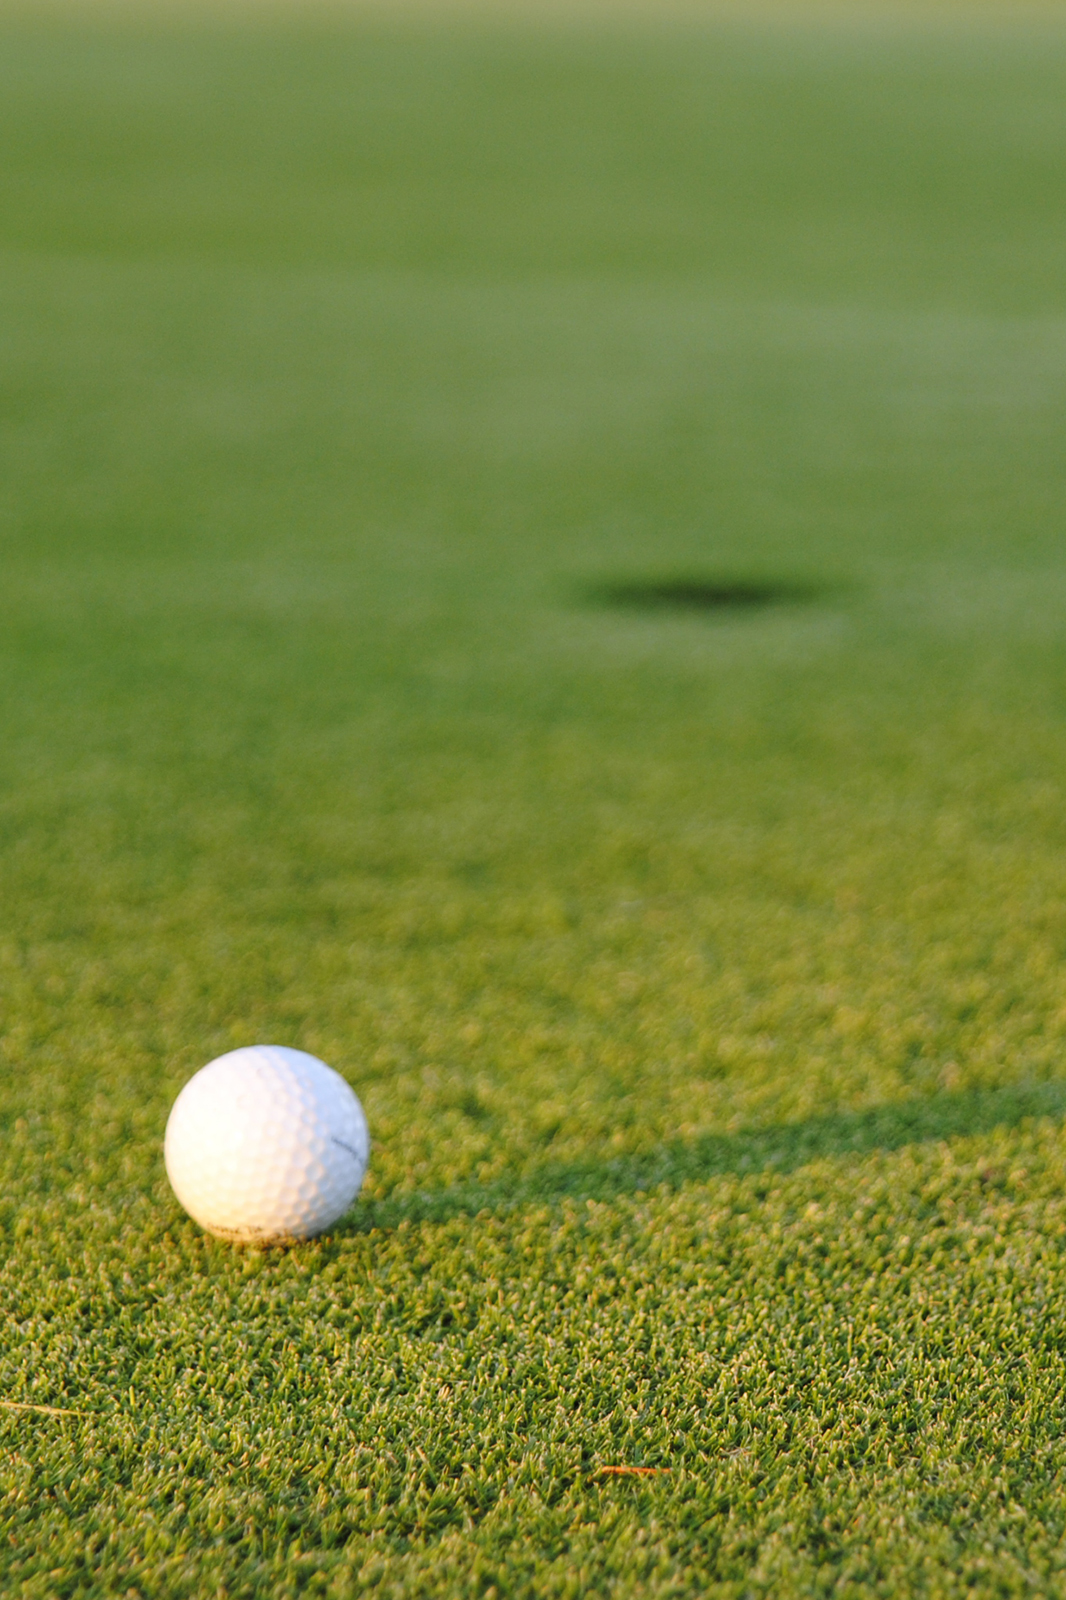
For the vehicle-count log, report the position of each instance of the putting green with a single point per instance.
(533, 570)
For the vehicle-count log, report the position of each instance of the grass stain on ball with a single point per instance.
(266, 1145)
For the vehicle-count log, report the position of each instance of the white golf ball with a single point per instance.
(266, 1144)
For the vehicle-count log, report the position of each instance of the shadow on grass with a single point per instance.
(780, 1148)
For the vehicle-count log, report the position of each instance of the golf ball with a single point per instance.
(266, 1144)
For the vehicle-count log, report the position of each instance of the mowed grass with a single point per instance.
(702, 973)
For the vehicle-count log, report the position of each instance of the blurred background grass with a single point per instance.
(342, 365)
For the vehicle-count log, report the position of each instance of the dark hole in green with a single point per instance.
(701, 594)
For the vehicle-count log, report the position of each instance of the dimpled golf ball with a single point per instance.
(265, 1145)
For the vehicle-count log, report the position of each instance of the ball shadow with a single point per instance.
(781, 1148)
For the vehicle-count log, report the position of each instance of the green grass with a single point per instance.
(703, 975)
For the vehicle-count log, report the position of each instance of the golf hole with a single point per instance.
(712, 595)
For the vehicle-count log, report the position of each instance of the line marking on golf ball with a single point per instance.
(353, 1153)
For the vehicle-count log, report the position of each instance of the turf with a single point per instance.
(533, 569)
